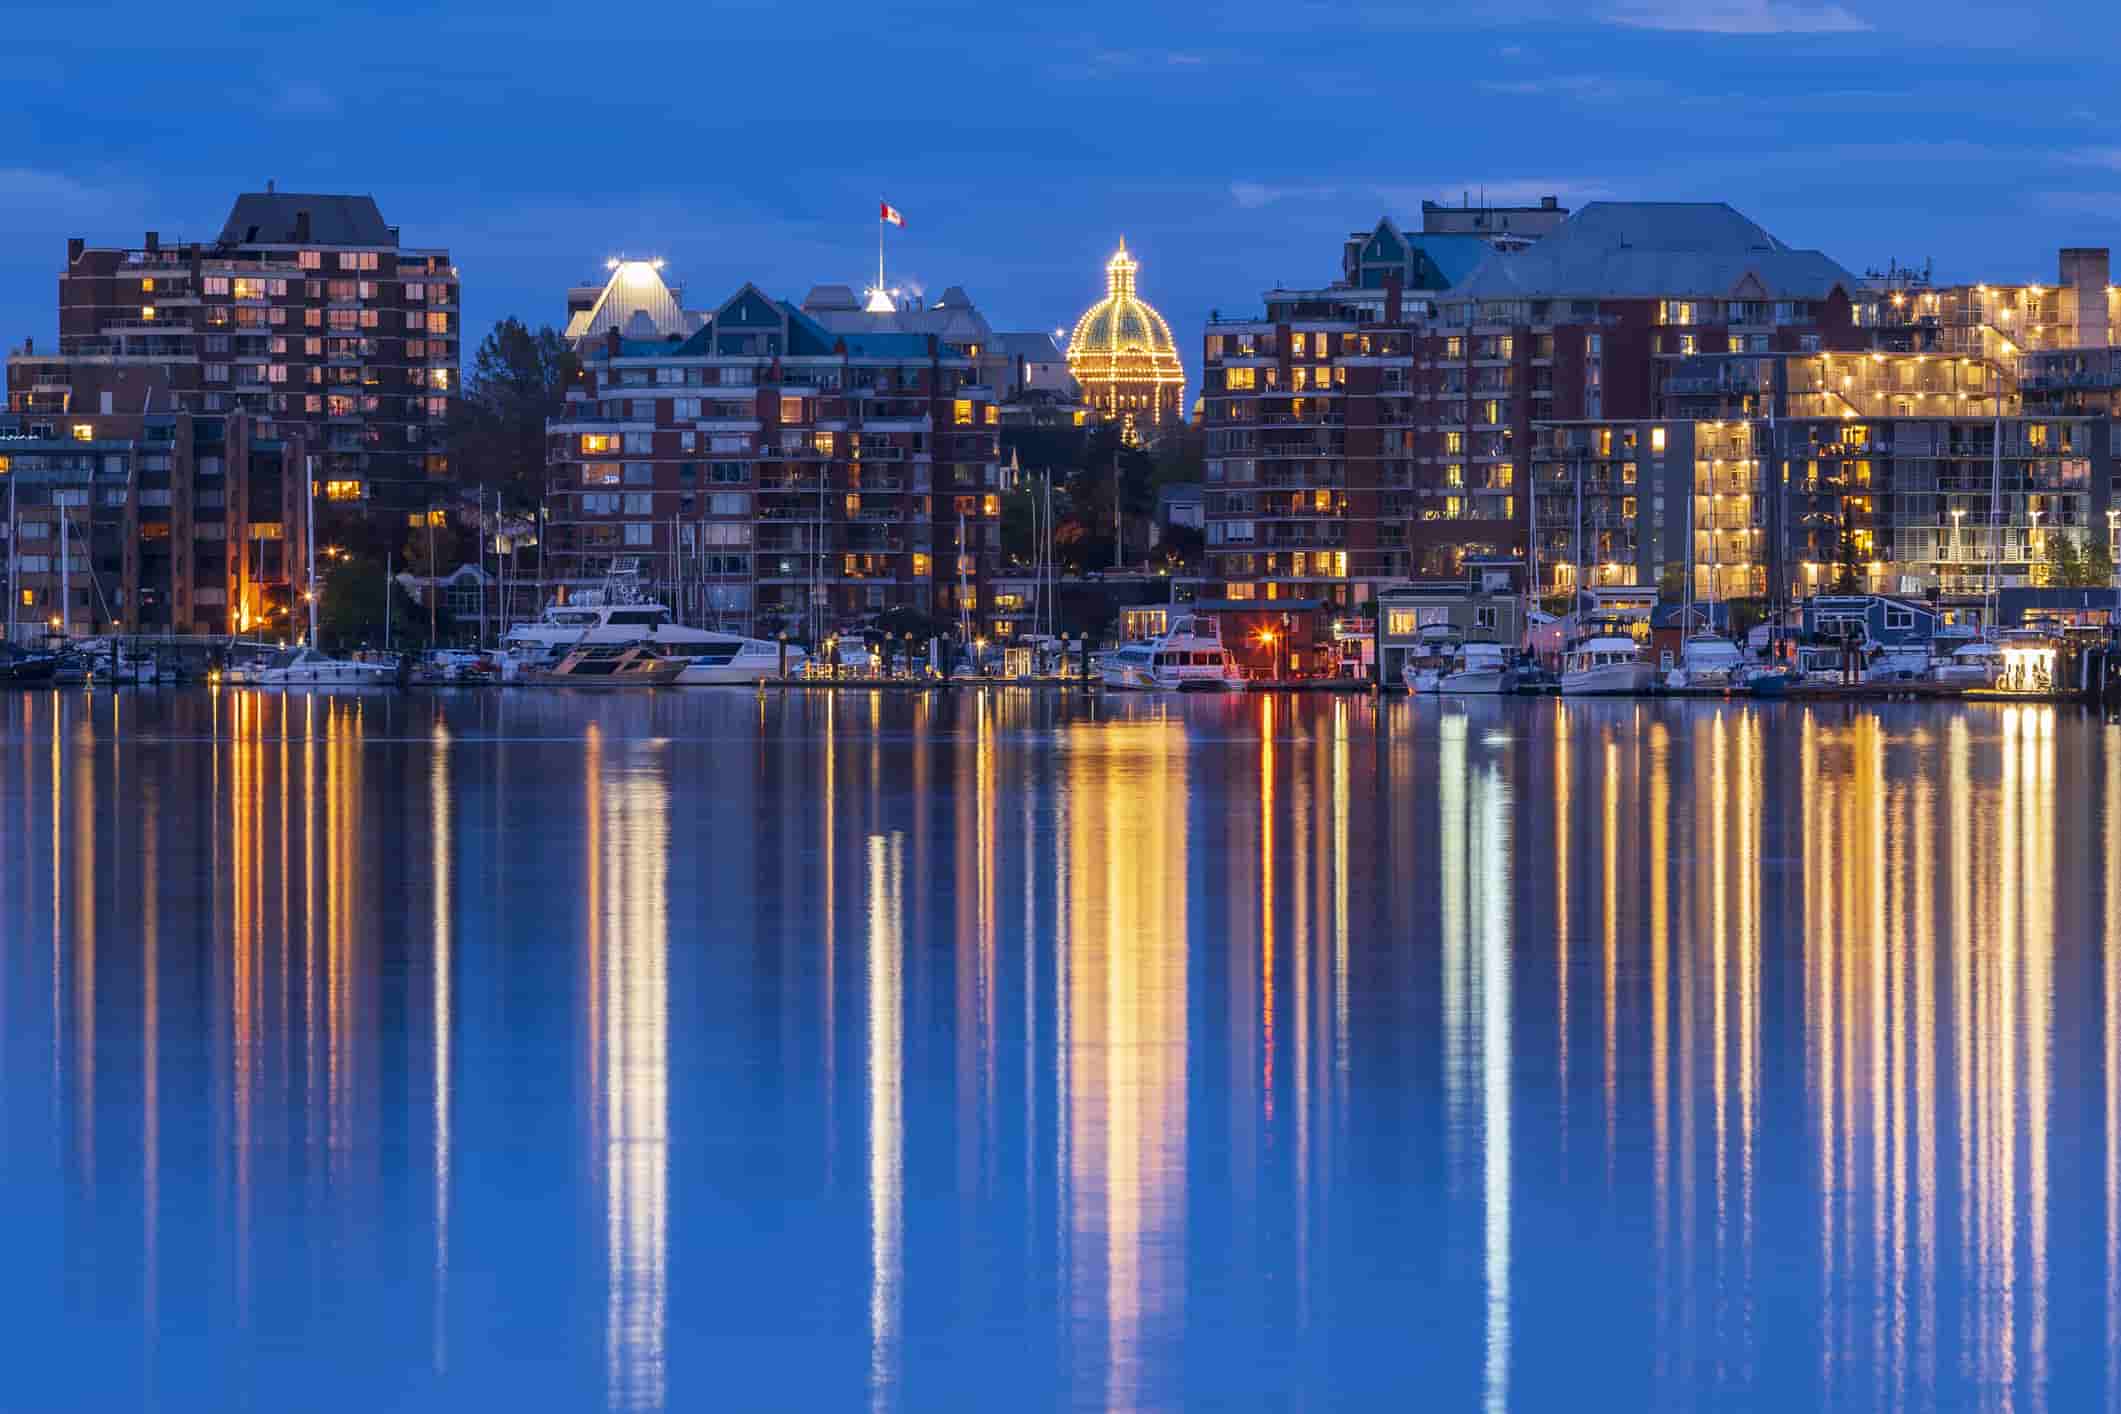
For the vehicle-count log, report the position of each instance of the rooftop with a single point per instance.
(1649, 249)
(269, 218)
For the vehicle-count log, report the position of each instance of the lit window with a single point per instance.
(1656, 439)
(920, 566)
(342, 490)
(595, 442)
(963, 411)
(84, 432)
(147, 312)
(791, 409)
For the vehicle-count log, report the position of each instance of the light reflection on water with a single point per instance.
(373, 1051)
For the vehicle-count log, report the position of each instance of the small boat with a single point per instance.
(1191, 657)
(1606, 662)
(1479, 668)
(1707, 660)
(606, 665)
(20, 669)
(1975, 664)
(304, 667)
(1433, 655)
(1772, 682)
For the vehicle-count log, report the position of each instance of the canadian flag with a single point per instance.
(892, 214)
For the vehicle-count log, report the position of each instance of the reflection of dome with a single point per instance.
(1122, 352)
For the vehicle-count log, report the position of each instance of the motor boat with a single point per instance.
(1434, 654)
(1708, 660)
(618, 614)
(20, 669)
(1606, 661)
(1479, 668)
(1974, 664)
(610, 665)
(1190, 657)
(304, 667)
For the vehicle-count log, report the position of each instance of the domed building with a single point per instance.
(1122, 353)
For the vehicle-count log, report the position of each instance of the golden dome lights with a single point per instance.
(1122, 352)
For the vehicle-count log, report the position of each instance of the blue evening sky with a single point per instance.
(1233, 145)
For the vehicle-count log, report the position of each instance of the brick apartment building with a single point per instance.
(152, 523)
(306, 314)
(776, 467)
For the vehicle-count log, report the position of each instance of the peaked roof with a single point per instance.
(268, 217)
(635, 302)
(1622, 249)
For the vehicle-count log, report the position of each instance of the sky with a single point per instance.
(1234, 146)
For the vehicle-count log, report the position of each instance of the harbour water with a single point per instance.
(701, 1050)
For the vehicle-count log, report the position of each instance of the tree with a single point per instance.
(2070, 563)
(1182, 545)
(350, 608)
(518, 378)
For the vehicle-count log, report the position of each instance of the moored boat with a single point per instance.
(611, 665)
(1606, 662)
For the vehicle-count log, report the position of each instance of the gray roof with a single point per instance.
(268, 218)
(1648, 249)
(1035, 347)
(830, 297)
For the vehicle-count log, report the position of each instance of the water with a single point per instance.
(697, 1051)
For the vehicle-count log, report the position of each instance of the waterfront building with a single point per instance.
(1474, 606)
(1379, 429)
(153, 523)
(306, 315)
(1123, 357)
(780, 467)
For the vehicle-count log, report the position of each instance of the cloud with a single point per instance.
(305, 98)
(1737, 17)
(1588, 88)
(1253, 195)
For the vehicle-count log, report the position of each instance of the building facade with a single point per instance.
(164, 523)
(306, 315)
(785, 469)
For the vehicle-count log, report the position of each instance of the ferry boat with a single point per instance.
(1190, 657)
(612, 616)
(1606, 661)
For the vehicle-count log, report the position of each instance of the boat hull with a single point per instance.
(738, 672)
(1610, 680)
(661, 675)
(1481, 681)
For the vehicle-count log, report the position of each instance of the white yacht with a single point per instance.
(594, 617)
(1975, 664)
(1606, 661)
(1189, 657)
(1478, 668)
(1433, 655)
(304, 667)
(1708, 660)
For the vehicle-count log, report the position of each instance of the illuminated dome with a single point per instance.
(1122, 352)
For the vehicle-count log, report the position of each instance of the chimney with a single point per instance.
(301, 226)
(153, 241)
(29, 345)
(1550, 203)
(74, 247)
(1393, 297)
(268, 186)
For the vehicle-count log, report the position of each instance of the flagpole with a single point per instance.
(880, 243)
